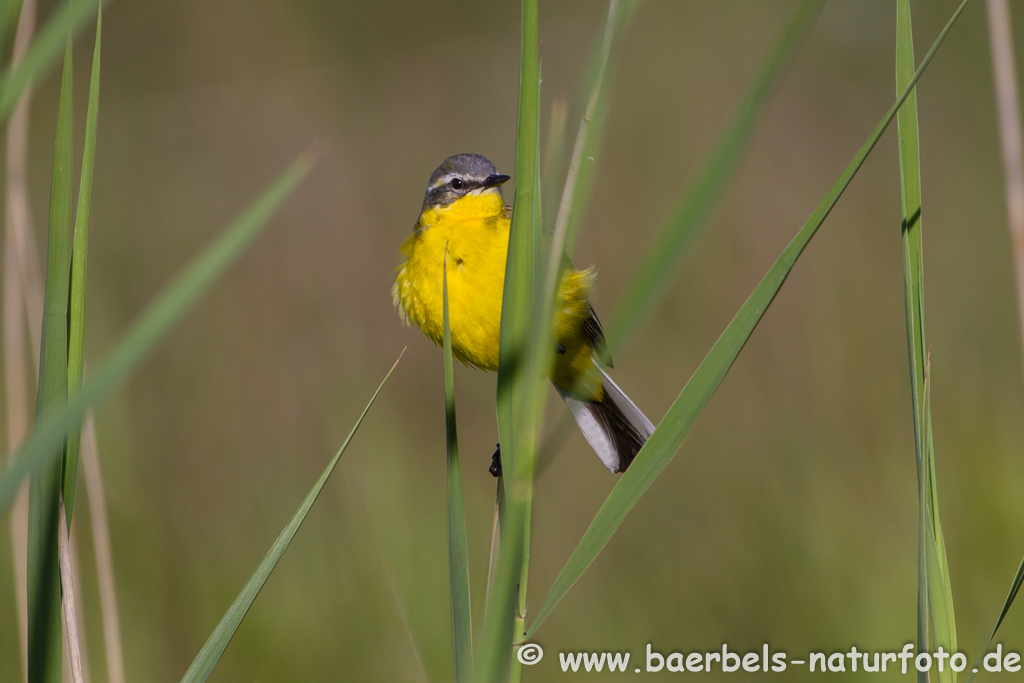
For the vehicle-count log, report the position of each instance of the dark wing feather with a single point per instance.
(593, 331)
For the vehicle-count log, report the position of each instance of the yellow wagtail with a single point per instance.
(465, 223)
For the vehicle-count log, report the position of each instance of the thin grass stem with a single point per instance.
(389, 577)
(69, 602)
(553, 158)
(102, 548)
(1004, 69)
(492, 557)
(17, 270)
(1004, 72)
(553, 443)
(570, 207)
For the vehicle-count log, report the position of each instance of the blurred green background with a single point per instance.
(790, 514)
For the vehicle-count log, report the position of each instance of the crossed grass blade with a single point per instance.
(42, 445)
(9, 12)
(206, 661)
(44, 51)
(676, 424)
(696, 203)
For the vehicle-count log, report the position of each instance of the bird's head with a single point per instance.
(460, 176)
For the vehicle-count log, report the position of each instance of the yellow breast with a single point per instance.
(472, 234)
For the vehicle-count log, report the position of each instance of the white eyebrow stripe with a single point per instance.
(443, 180)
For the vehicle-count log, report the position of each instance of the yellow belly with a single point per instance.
(476, 269)
(474, 233)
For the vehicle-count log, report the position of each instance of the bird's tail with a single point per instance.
(614, 427)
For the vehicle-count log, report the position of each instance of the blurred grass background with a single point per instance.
(790, 515)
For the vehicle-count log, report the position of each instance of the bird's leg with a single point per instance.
(495, 468)
(560, 349)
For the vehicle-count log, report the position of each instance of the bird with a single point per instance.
(463, 227)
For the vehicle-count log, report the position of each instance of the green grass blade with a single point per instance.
(942, 620)
(42, 446)
(492, 556)
(695, 206)
(79, 262)
(670, 433)
(9, 11)
(1007, 105)
(910, 196)
(516, 413)
(935, 625)
(553, 158)
(1010, 597)
(44, 51)
(579, 182)
(538, 347)
(44, 612)
(389, 577)
(458, 553)
(910, 200)
(205, 662)
(524, 239)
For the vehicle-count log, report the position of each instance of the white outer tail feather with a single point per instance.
(594, 430)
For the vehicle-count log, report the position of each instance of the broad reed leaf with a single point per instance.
(45, 654)
(516, 417)
(205, 662)
(44, 51)
(522, 261)
(538, 348)
(935, 622)
(458, 553)
(695, 205)
(674, 427)
(42, 446)
(79, 263)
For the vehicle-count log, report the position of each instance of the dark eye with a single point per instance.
(456, 183)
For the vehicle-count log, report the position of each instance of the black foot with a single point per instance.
(560, 349)
(495, 468)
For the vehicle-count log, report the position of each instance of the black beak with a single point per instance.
(494, 180)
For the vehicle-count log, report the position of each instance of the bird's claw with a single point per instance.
(495, 468)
